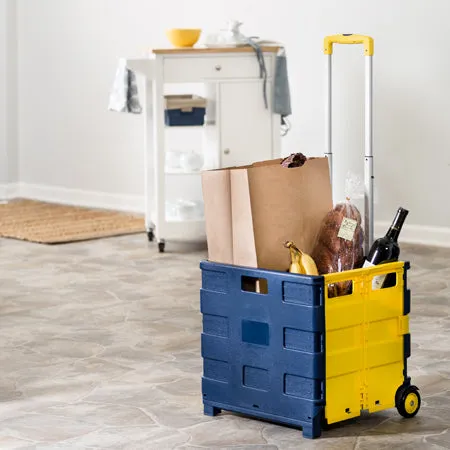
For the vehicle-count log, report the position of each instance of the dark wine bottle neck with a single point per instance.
(394, 230)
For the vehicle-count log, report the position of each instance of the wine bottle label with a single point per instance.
(347, 229)
(378, 280)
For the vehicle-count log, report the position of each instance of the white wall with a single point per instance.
(8, 95)
(3, 65)
(68, 53)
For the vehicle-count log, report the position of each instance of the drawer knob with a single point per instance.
(227, 151)
(218, 67)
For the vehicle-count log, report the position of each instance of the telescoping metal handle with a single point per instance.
(367, 41)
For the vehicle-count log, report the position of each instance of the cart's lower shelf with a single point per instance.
(189, 230)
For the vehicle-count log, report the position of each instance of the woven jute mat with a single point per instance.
(51, 223)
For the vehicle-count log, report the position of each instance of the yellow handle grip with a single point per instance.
(348, 39)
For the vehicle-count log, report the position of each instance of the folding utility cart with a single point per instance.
(291, 354)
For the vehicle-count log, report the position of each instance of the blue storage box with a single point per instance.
(263, 344)
(184, 110)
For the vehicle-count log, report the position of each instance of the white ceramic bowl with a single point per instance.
(189, 210)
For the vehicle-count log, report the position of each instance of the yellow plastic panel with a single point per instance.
(382, 353)
(363, 343)
(351, 336)
(383, 383)
(345, 361)
(385, 330)
(381, 305)
(345, 394)
(347, 311)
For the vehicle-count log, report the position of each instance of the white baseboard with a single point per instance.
(414, 234)
(418, 234)
(3, 192)
(78, 197)
(8, 191)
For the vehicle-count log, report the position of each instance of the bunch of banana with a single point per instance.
(300, 262)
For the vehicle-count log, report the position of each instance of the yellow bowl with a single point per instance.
(183, 37)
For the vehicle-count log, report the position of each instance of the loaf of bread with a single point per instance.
(339, 245)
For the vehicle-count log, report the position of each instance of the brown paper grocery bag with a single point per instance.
(250, 211)
(216, 188)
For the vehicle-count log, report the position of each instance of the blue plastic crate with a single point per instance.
(263, 352)
(184, 110)
(179, 118)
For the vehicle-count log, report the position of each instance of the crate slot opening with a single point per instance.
(377, 402)
(254, 284)
(384, 281)
(347, 410)
(340, 289)
(255, 406)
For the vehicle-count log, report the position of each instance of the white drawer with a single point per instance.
(193, 68)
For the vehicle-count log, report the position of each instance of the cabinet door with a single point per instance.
(246, 124)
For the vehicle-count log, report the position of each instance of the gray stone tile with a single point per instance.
(400, 441)
(291, 439)
(123, 438)
(440, 439)
(102, 415)
(228, 431)
(43, 427)
(10, 442)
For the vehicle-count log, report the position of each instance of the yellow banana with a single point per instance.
(295, 266)
(300, 262)
(309, 264)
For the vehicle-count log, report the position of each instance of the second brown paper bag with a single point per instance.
(250, 211)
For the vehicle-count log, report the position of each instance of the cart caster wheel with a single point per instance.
(150, 235)
(161, 246)
(407, 401)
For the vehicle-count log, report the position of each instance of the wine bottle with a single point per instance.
(386, 249)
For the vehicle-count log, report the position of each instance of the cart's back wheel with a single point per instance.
(408, 401)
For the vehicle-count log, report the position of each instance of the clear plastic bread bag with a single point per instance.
(340, 242)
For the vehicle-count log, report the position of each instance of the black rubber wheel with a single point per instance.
(150, 235)
(407, 401)
(161, 247)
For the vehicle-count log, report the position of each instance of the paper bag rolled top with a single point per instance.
(250, 211)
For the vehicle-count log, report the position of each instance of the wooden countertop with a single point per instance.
(201, 50)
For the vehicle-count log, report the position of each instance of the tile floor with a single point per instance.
(100, 349)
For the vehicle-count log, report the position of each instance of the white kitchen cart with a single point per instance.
(243, 129)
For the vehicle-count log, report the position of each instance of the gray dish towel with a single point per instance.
(282, 93)
(281, 90)
(124, 95)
